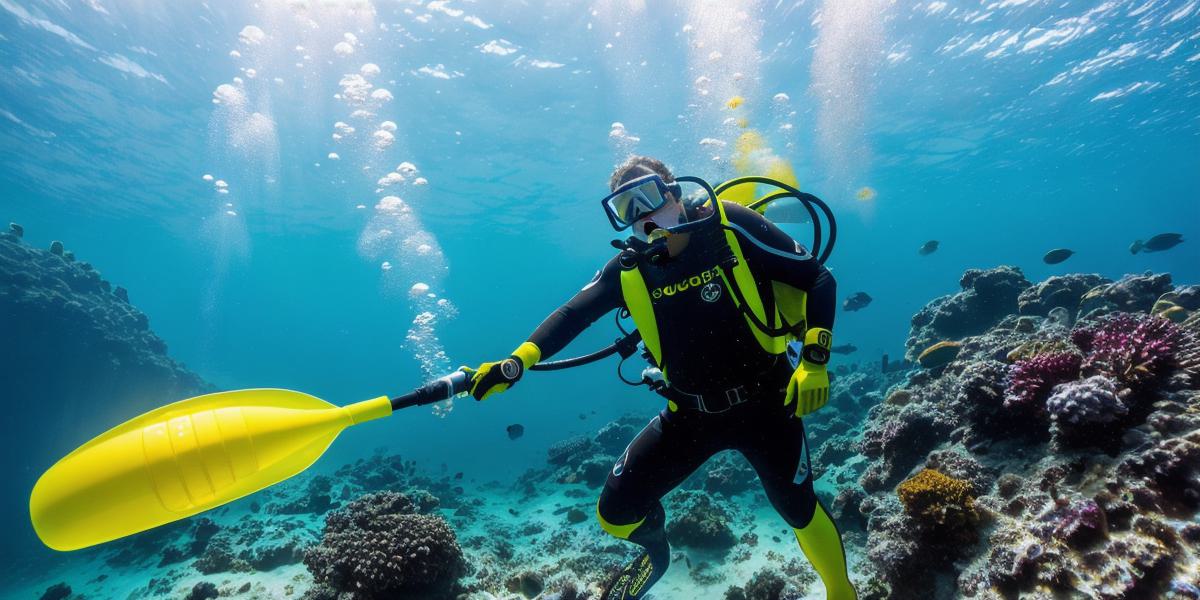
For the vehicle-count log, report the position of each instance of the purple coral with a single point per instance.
(1076, 407)
(377, 547)
(1136, 349)
(1030, 380)
(1081, 524)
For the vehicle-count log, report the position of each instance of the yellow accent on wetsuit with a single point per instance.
(620, 531)
(822, 545)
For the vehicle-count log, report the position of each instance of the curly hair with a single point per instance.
(637, 166)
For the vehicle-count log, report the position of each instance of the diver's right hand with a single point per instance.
(495, 377)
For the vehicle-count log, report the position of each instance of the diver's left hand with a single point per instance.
(809, 388)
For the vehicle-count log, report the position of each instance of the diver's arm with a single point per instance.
(599, 297)
(775, 255)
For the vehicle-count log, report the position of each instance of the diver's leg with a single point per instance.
(778, 451)
(657, 460)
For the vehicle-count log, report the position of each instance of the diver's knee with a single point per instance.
(614, 522)
(799, 509)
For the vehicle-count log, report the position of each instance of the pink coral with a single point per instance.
(1135, 349)
(1030, 380)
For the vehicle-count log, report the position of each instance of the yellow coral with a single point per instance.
(933, 497)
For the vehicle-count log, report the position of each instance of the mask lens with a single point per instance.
(632, 204)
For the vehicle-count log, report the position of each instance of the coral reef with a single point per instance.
(1136, 349)
(378, 546)
(1059, 291)
(1074, 470)
(940, 504)
(1031, 380)
(69, 338)
(1081, 410)
(987, 296)
(1131, 294)
(695, 520)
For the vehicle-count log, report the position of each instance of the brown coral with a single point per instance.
(938, 501)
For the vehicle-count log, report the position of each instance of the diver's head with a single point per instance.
(645, 197)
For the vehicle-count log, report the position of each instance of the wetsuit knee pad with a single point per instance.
(653, 520)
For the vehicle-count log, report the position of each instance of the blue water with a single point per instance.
(1002, 129)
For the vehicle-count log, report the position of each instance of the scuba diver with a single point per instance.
(717, 292)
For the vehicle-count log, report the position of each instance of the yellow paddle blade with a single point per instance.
(183, 459)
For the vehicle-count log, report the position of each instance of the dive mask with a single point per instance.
(639, 197)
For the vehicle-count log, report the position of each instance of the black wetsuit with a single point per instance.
(707, 348)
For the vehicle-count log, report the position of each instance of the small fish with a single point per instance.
(928, 248)
(856, 301)
(843, 349)
(1057, 255)
(515, 431)
(1158, 243)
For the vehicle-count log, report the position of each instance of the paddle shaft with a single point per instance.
(435, 391)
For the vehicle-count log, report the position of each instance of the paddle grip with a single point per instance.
(437, 390)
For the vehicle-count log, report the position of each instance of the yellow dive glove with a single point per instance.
(809, 386)
(495, 377)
